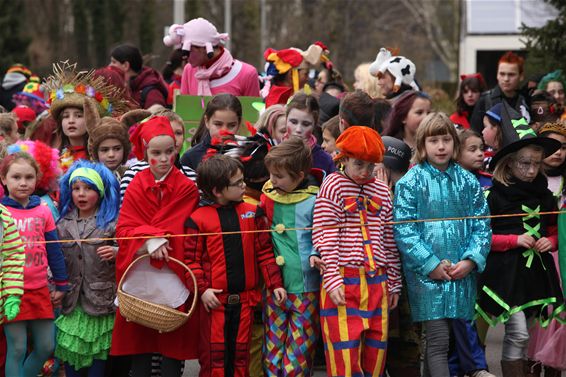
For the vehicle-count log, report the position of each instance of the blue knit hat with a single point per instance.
(495, 113)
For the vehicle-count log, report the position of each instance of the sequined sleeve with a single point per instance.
(417, 255)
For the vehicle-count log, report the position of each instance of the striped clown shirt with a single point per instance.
(337, 233)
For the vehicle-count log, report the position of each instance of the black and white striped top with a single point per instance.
(142, 165)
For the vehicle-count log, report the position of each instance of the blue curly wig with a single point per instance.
(108, 206)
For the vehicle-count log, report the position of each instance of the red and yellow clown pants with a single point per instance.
(291, 332)
(355, 334)
(225, 339)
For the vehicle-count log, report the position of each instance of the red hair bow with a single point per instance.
(476, 75)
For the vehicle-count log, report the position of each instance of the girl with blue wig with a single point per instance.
(89, 210)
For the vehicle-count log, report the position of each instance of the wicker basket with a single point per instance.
(158, 317)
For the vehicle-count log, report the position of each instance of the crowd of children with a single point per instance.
(367, 236)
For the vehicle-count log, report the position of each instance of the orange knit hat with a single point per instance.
(362, 143)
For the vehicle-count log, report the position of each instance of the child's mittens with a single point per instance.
(12, 307)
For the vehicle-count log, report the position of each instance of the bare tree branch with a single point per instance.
(444, 44)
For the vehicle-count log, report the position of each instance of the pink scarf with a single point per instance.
(220, 67)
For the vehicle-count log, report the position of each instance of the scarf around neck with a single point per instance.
(218, 69)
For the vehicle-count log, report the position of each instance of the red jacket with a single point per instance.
(148, 88)
(461, 119)
(175, 84)
(231, 261)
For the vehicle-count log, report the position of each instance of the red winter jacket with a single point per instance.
(148, 88)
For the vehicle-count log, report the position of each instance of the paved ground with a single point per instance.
(493, 349)
(493, 353)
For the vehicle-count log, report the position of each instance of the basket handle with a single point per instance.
(171, 259)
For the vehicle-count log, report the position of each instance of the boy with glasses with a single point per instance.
(225, 252)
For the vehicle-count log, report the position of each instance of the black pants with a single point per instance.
(141, 366)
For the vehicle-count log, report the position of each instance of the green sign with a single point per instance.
(191, 109)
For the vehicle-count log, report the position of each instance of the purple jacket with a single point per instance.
(322, 160)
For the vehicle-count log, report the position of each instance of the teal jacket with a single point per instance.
(428, 193)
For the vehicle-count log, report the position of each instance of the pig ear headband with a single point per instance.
(175, 36)
(187, 49)
(186, 44)
(220, 37)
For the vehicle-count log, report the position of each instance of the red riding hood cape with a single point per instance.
(155, 208)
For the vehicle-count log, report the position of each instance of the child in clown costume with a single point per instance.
(362, 278)
(47, 189)
(19, 173)
(292, 328)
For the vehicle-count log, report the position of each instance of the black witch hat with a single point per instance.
(516, 134)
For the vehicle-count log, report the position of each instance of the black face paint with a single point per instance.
(524, 165)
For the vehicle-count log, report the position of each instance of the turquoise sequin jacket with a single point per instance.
(427, 193)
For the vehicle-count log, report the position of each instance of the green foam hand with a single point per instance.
(12, 307)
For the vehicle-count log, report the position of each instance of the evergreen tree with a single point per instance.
(546, 46)
(116, 13)
(147, 27)
(13, 45)
(99, 28)
(81, 32)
